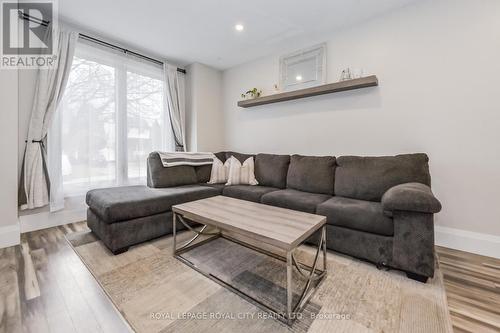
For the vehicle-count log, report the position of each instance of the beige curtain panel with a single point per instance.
(174, 97)
(35, 183)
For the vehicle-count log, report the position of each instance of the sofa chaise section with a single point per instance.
(117, 204)
(128, 215)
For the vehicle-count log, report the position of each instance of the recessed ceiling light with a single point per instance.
(298, 78)
(239, 27)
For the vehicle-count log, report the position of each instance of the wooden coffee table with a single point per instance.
(282, 228)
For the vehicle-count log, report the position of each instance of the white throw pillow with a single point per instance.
(220, 171)
(241, 174)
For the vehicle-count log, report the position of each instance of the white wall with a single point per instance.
(9, 226)
(438, 63)
(204, 117)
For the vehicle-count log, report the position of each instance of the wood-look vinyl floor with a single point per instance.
(472, 284)
(44, 287)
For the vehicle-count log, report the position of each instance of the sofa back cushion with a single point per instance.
(239, 156)
(271, 170)
(311, 174)
(158, 176)
(203, 171)
(367, 178)
(221, 156)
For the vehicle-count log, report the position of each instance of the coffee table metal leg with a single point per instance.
(323, 235)
(289, 286)
(188, 244)
(174, 230)
(314, 274)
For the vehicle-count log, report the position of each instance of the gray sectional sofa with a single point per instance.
(379, 209)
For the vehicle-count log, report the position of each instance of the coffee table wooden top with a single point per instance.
(280, 227)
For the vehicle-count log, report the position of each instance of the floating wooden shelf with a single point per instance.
(364, 82)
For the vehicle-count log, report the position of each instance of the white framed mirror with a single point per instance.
(303, 69)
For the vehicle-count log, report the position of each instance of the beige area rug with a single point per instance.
(157, 293)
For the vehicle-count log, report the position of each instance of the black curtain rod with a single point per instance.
(27, 17)
(98, 41)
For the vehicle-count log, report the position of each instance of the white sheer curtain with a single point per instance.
(112, 116)
(51, 83)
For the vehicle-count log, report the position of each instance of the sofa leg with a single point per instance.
(417, 277)
(119, 251)
(382, 266)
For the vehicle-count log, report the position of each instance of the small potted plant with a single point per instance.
(252, 93)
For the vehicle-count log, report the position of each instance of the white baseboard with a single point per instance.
(45, 220)
(468, 241)
(9, 236)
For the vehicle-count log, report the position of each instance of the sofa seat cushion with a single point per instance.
(294, 199)
(218, 187)
(247, 192)
(355, 214)
(129, 202)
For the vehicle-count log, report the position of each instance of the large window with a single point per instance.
(111, 117)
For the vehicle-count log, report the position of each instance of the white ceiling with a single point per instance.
(203, 31)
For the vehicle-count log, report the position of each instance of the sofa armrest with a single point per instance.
(412, 197)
